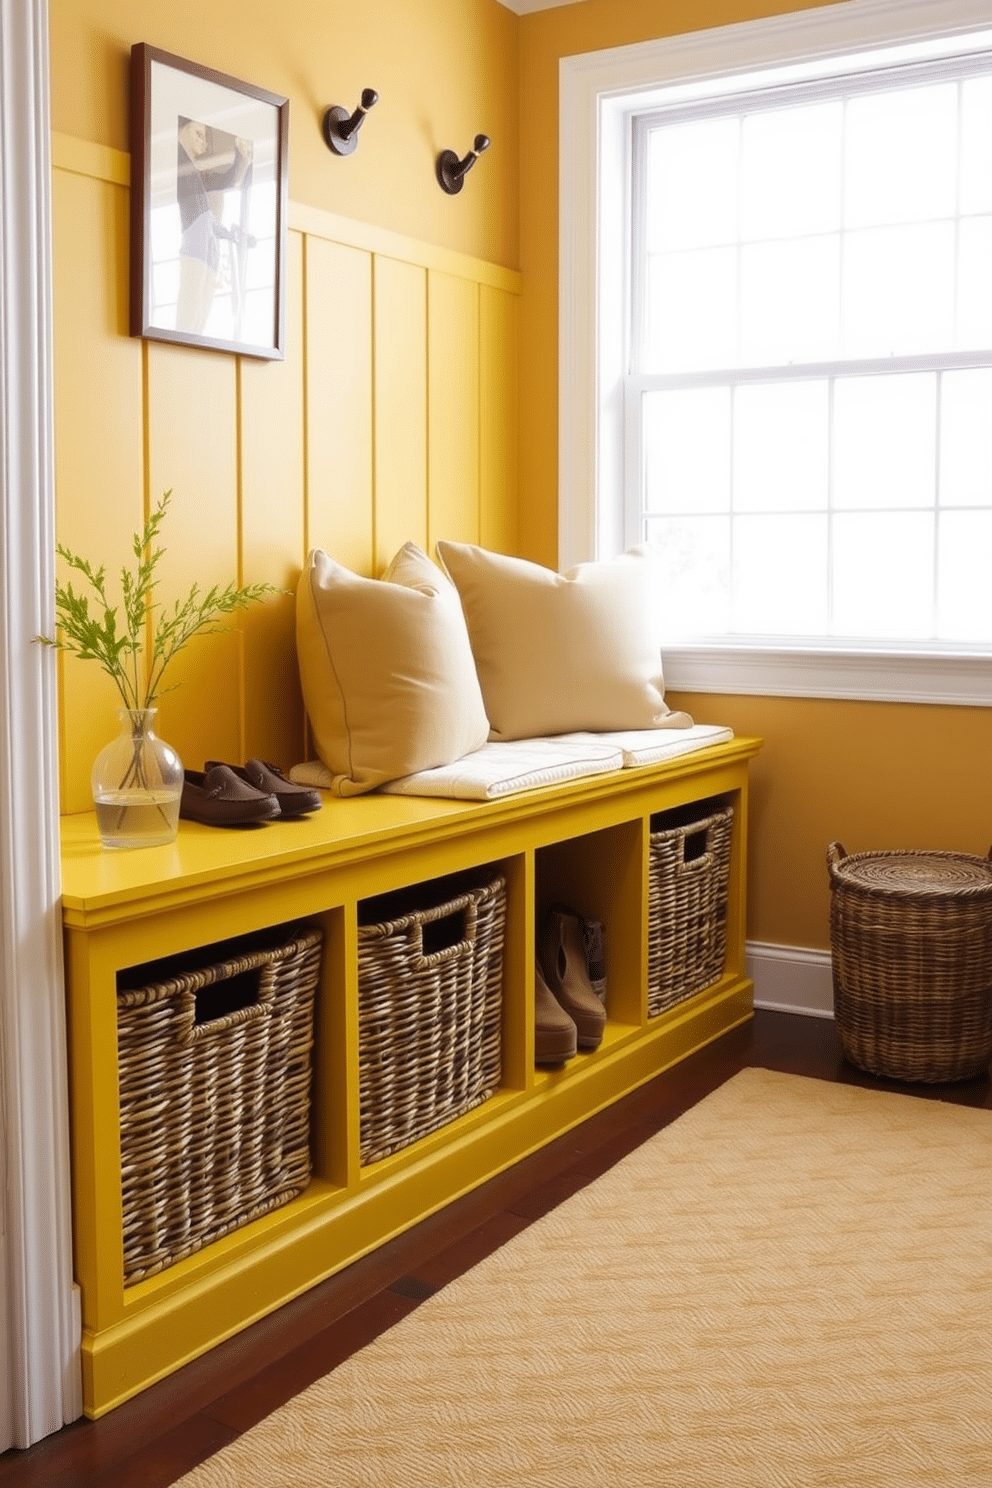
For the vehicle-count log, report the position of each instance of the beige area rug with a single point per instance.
(791, 1285)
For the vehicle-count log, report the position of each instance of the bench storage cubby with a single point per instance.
(689, 889)
(430, 1008)
(587, 842)
(213, 1054)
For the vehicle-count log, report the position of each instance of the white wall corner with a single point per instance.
(789, 979)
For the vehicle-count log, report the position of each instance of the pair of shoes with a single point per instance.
(292, 799)
(234, 795)
(574, 969)
(218, 797)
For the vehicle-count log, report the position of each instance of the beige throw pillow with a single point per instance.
(558, 653)
(386, 667)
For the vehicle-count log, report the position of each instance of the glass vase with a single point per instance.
(137, 783)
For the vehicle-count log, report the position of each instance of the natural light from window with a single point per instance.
(809, 396)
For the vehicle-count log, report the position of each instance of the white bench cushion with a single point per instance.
(506, 768)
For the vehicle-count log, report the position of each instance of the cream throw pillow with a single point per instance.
(388, 678)
(558, 653)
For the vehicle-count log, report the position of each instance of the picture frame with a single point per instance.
(208, 207)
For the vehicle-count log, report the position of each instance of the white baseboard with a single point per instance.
(789, 979)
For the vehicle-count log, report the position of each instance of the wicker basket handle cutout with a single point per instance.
(696, 853)
(249, 983)
(459, 917)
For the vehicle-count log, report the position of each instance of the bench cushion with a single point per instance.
(506, 768)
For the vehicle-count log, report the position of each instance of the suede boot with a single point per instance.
(592, 940)
(563, 960)
(554, 1031)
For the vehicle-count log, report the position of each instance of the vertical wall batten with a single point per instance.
(239, 546)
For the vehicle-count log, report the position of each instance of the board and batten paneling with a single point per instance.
(393, 418)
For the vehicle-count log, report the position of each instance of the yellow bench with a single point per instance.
(588, 840)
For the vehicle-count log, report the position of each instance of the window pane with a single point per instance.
(692, 310)
(966, 442)
(692, 184)
(884, 441)
(780, 575)
(965, 594)
(976, 145)
(883, 574)
(694, 558)
(781, 447)
(687, 451)
(974, 308)
(899, 291)
(790, 171)
(901, 156)
(790, 301)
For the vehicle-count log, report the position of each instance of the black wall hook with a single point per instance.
(341, 128)
(451, 171)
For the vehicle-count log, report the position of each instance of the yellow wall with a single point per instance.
(871, 775)
(445, 70)
(393, 415)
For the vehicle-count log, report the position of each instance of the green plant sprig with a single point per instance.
(120, 651)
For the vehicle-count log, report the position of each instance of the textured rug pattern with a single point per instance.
(790, 1287)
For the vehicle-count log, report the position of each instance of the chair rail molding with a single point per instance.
(39, 1315)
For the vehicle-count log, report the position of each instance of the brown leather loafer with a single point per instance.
(294, 800)
(219, 798)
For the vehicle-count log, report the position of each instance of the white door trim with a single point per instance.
(39, 1322)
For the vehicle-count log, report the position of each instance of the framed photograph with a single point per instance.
(208, 207)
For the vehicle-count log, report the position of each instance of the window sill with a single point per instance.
(959, 679)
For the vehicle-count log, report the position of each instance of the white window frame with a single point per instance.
(598, 92)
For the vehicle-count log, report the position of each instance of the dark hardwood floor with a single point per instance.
(153, 1440)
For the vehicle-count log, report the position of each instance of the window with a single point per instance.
(791, 364)
(809, 407)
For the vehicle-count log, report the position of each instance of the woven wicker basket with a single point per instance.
(214, 1093)
(430, 988)
(687, 901)
(911, 952)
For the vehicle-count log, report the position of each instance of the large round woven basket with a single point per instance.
(911, 953)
